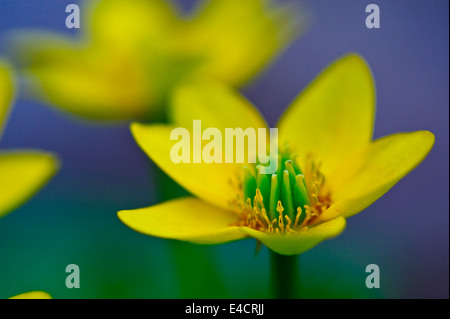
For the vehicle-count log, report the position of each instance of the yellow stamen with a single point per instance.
(310, 198)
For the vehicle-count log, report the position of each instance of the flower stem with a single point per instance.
(284, 278)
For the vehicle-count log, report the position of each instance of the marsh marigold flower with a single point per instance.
(132, 53)
(328, 166)
(22, 173)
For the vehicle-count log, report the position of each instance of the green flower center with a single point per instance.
(283, 202)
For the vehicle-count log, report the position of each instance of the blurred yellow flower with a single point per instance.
(33, 295)
(132, 53)
(329, 167)
(22, 173)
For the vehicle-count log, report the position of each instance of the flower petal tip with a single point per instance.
(430, 136)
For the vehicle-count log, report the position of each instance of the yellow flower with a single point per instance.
(131, 53)
(329, 167)
(33, 295)
(22, 173)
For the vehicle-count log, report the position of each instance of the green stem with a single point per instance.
(284, 278)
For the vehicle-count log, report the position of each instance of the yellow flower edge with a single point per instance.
(358, 173)
(6, 91)
(33, 295)
(22, 172)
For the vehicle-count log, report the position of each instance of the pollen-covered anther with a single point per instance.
(284, 202)
(288, 226)
(280, 210)
(297, 217)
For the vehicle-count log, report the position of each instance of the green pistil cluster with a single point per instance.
(284, 192)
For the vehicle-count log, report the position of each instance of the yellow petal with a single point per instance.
(334, 115)
(187, 219)
(21, 175)
(33, 295)
(237, 38)
(215, 104)
(6, 92)
(366, 175)
(130, 25)
(215, 183)
(297, 243)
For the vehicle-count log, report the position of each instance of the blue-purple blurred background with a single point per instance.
(73, 219)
